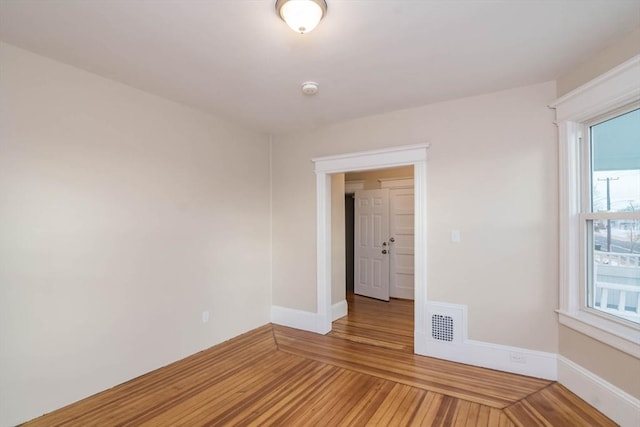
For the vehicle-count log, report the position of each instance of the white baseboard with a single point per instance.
(298, 319)
(459, 348)
(339, 309)
(615, 403)
(522, 361)
(306, 320)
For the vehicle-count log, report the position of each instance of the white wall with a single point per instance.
(492, 174)
(123, 216)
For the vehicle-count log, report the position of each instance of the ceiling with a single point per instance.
(238, 60)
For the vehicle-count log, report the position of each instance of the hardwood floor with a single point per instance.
(388, 325)
(362, 373)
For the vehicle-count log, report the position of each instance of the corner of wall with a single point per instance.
(615, 403)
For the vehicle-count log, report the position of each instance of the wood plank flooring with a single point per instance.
(484, 386)
(388, 325)
(360, 374)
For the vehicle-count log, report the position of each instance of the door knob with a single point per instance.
(393, 239)
(384, 251)
(384, 243)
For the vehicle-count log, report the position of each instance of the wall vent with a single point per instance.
(441, 327)
(447, 322)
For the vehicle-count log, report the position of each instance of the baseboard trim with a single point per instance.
(615, 403)
(306, 320)
(339, 309)
(517, 360)
(297, 319)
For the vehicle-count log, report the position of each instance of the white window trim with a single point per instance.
(615, 89)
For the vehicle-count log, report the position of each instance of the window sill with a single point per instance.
(622, 337)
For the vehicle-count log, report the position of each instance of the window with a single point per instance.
(610, 215)
(599, 200)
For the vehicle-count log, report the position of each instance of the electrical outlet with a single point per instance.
(518, 358)
(205, 316)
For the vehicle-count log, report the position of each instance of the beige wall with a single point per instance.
(620, 369)
(613, 365)
(618, 52)
(338, 249)
(371, 178)
(123, 217)
(492, 173)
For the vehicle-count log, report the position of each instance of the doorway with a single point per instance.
(384, 317)
(415, 155)
(379, 217)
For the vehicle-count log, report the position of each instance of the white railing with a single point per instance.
(629, 296)
(620, 299)
(617, 259)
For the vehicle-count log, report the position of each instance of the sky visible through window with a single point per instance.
(615, 180)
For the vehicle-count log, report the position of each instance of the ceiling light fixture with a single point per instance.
(301, 15)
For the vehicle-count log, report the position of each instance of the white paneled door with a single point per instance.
(371, 249)
(401, 246)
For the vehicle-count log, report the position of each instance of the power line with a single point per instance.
(608, 179)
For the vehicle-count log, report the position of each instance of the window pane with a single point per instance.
(614, 276)
(615, 164)
(613, 245)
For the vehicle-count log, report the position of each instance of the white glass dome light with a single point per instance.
(301, 15)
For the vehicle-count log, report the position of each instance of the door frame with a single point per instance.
(415, 155)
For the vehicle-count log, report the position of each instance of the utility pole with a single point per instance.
(608, 179)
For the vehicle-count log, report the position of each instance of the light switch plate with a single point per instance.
(455, 236)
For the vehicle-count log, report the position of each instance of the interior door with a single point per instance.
(401, 236)
(371, 249)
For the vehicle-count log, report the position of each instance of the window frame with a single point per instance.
(605, 96)
(588, 214)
